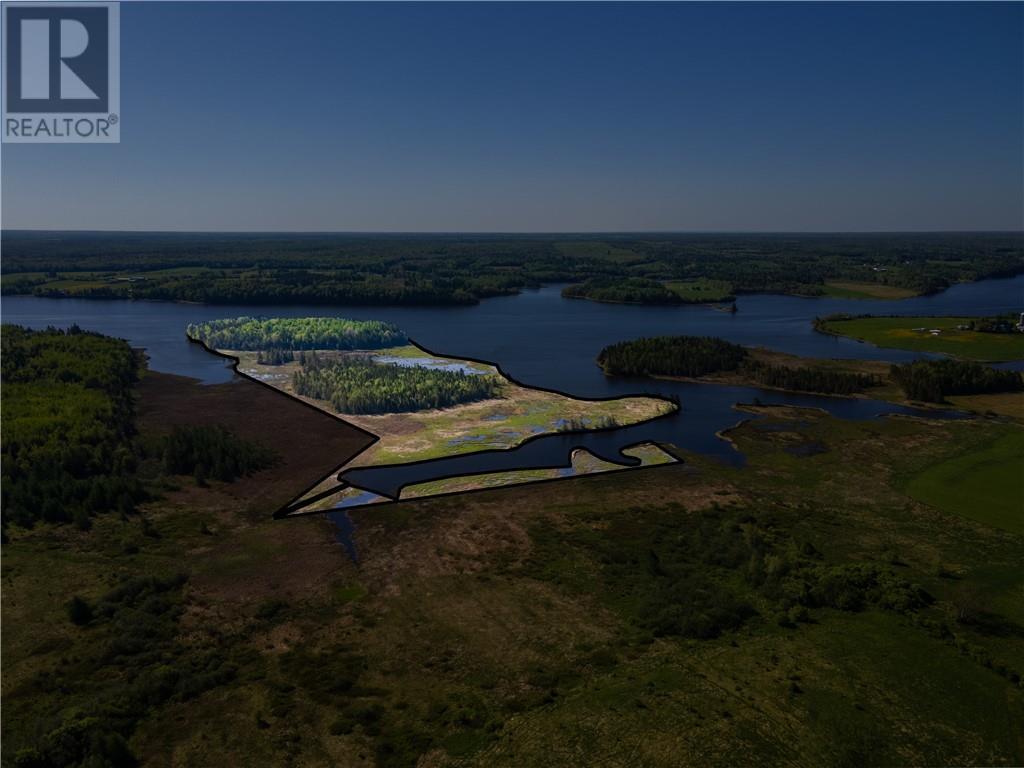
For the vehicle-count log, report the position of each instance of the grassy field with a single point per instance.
(550, 624)
(852, 290)
(1009, 404)
(985, 483)
(900, 333)
(702, 290)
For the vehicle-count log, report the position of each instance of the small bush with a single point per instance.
(79, 611)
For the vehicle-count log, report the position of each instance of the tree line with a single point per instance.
(671, 356)
(267, 286)
(633, 290)
(296, 333)
(70, 446)
(357, 385)
(642, 290)
(1005, 323)
(932, 381)
(695, 356)
(460, 269)
(823, 380)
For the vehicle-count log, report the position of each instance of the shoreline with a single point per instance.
(737, 379)
(821, 325)
(299, 502)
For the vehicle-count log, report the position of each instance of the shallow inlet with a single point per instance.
(344, 528)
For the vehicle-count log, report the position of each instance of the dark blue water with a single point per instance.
(538, 337)
(705, 410)
(541, 339)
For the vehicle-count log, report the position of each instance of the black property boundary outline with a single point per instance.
(295, 511)
(291, 508)
(283, 511)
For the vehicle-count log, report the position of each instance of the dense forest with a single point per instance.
(671, 356)
(70, 449)
(696, 356)
(68, 426)
(295, 333)
(459, 269)
(360, 386)
(211, 451)
(642, 290)
(932, 380)
(632, 290)
(823, 380)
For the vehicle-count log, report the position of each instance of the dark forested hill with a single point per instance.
(461, 269)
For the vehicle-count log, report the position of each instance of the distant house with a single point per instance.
(1020, 323)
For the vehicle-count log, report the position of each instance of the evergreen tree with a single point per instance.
(358, 385)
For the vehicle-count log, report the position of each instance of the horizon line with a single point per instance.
(513, 233)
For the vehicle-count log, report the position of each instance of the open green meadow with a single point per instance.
(984, 483)
(914, 333)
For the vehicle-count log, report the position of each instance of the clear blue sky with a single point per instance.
(544, 117)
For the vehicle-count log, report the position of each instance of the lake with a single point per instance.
(541, 339)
